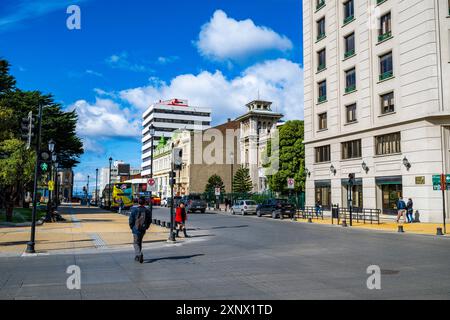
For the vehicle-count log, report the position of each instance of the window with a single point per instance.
(323, 196)
(323, 121)
(322, 86)
(323, 154)
(351, 113)
(387, 103)
(349, 43)
(321, 58)
(351, 149)
(385, 30)
(350, 80)
(388, 144)
(320, 4)
(321, 29)
(386, 67)
(349, 11)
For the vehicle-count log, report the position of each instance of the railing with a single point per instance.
(310, 212)
(349, 53)
(350, 89)
(321, 67)
(386, 75)
(384, 36)
(348, 19)
(359, 215)
(322, 99)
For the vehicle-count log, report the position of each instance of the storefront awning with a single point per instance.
(388, 180)
(357, 182)
(322, 183)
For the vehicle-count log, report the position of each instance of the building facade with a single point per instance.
(377, 102)
(166, 117)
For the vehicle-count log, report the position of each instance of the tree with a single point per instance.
(214, 182)
(242, 183)
(291, 158)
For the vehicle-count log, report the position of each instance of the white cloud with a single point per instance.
(167, 60)
(122, 61)
(94, 73)
(279, 81)
(105, 119)
(224, 38)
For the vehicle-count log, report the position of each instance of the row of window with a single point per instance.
(387, 106)
(384, 145)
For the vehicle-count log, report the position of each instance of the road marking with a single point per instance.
(98, 241)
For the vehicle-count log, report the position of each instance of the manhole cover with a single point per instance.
(389, 272)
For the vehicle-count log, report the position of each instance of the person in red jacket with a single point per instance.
(180, 219)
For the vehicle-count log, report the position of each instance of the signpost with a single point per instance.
(51, 185)
(442, 182)
(291, 183)
(152, 185)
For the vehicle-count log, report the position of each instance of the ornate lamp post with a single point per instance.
(110, 187)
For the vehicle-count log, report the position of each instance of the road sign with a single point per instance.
(217, 192)
(51, 185)
(437, 182)
(152, 185)
(291, 183)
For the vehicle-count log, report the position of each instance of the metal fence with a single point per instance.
(360, 215)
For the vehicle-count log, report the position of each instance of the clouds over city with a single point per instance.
(224, 38)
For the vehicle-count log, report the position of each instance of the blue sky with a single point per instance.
(215, 53)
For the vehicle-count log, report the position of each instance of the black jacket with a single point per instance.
(133, 216)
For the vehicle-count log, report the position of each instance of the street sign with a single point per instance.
(217, 192)
(152, 185)
(437, 182)
(291, 183)
(51, 185)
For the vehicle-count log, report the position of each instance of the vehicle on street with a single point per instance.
(194, 203)
(156, 201)
(244, 207)
(165, 201)
(277, 208)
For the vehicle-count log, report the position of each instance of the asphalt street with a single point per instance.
(235, 257)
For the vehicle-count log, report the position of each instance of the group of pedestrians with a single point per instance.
(140, 220)
(406, 210)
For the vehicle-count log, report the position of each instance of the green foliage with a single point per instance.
(291, 155)
(242, 182)
(214, 182)
(7, 82)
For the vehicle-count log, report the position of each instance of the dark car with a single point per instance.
(277, 208)
(194, 203)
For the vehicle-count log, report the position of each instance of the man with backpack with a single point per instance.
(140, 220)
(401, 207)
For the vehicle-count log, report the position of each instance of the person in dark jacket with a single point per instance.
(140, 220)
(401, 209)
(180, 220)
(410, 211)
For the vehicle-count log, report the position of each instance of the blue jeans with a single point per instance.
(409, 216)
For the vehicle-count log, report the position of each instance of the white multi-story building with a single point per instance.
(377, 102)
(166, 117)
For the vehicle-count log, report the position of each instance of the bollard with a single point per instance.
(310, 220)
(344, 223)
(439, 232)
(400, 229)
(158, 222)
(154, 221)
(163, 224)
(168, 224)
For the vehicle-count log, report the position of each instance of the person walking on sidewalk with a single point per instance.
(140, 220)
(410, 211)
(401, 207)
(180, 220)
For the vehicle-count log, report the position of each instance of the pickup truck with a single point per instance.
(194, 203)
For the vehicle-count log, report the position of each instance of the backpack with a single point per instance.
(140, 219)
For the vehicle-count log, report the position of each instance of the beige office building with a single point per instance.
(377, 102)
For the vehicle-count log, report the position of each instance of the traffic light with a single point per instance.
(28, 129)
(177, 157)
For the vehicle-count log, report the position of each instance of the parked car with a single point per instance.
(194, 203)
(244, 207)
(156, 201)
(277, 208)
(165, 201)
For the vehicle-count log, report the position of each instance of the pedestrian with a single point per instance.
(121, 205)
(401, 209)
(318, 208)
(227, 204)
(410, 210)
(180, 220)
(139, 221)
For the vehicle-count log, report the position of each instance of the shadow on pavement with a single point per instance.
(174, 258)
(230, 227)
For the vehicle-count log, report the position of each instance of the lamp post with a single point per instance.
(51, 148)
(55, 180)
(31, 243)
(87, 192)
(231, 177)
(96, 187)
(152, 135)
(110, 187)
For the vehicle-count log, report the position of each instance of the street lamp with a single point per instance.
(87, 192)
(406, 163)
(152, 135)
(96, 187)
(231, 177)
(51, 145)
(333, 170)
(365, 167)
(110, 187)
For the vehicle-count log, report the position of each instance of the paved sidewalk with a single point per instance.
(85, 229)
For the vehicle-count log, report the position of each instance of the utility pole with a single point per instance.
(110, 187)
(96, 187)
(31, 244)
(172, 178)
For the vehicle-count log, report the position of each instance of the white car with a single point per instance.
(164, 202)
(244, 207)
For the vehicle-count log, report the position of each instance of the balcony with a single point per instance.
(321, 36)
(386, 75)
(320, 5)
(322, 99)
(380, 1)
(350, 88)
(321, 67)
(349, 53)
(384, 36)
(349, 19)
